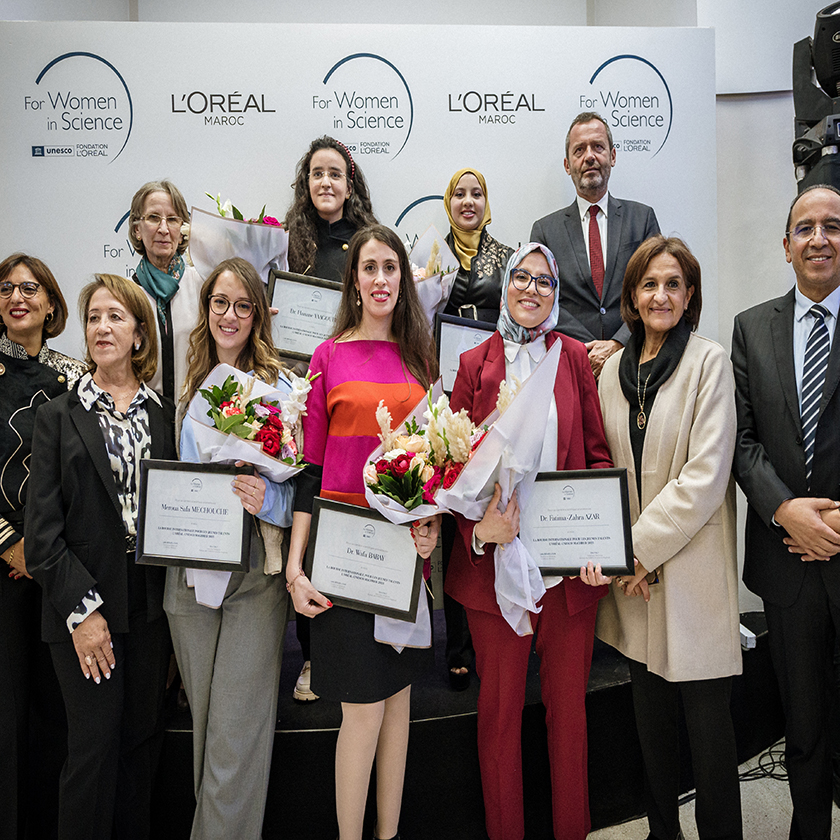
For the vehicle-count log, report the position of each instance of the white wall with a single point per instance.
(754, 130)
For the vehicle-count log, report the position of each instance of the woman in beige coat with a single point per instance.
(669, 412)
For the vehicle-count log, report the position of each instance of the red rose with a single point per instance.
(275, 422)
(382, 466)
(451, 474)
(400, 465)
(270, 441)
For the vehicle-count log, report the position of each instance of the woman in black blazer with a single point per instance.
(102, 614)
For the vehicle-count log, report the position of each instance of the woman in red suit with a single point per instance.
(565, 626)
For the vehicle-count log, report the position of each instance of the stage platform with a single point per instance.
(442, 797)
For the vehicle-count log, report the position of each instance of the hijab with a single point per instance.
(510, 329)
(466, 241)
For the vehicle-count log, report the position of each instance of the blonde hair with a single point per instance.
(259, 353)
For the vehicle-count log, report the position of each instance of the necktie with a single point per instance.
(813, 380)
(596, 254)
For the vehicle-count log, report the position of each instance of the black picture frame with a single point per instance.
(443, 324)
(339, 522)
(191, 482)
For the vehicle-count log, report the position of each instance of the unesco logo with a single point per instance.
(369, 104)
(634, 98)
(196, 485)
(369, 531)
(568, 493)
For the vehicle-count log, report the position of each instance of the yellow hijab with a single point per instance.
(466, 241)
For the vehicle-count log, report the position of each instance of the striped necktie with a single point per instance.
(813, 381)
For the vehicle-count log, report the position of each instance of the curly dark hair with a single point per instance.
(301, 216)
(409, 326)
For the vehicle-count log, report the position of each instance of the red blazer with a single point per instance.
(581, 444)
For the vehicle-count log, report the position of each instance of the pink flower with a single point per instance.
(382, 466)
(270, 220)
(431, 486)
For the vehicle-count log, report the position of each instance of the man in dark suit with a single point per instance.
(787, 460)
(592, 240)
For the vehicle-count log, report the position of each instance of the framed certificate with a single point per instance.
(453, 336)
(359, 559)
(306, 308)
(570, 518)
(190, 516)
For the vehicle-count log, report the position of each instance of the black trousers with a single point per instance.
(802, 639)
(713, 754)
(33, 729)
(115, 732)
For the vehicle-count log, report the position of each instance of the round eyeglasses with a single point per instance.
(543, 283)
(242, 308)
(28, 289)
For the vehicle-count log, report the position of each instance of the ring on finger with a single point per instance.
(89, 659)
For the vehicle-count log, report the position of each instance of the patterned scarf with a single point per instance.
(161, 285)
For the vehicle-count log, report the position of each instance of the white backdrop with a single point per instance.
(93, 110)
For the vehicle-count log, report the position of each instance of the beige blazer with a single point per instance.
(686, 529)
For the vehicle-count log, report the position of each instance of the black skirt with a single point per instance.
(350, 666)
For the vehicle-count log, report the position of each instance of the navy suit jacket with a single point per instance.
(582, 315)
(769, 460)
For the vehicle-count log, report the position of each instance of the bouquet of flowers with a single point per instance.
(214, 238)
(509, 454)
(240, 418)
(230, 211)
(434, 268)
(258, 419)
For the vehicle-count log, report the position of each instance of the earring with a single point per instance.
(136, 345)
(358, 298)
(49, 317)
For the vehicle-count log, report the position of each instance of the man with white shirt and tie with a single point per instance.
(592, 240)
(786, 359)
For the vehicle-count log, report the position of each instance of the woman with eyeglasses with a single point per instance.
(32, 310)
(331, 202)
(565, 626)
(102, 612)
(230, 655)
(158, 212)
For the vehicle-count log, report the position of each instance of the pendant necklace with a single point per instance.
(641, 418)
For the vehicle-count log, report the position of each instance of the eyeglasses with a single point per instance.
(802, 233)
(332, 174)
(543, 283)
(242, 308)
(153, 221)
(28, 289)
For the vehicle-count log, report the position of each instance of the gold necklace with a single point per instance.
(641, 418)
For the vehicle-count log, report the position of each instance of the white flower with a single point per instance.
(369, 474)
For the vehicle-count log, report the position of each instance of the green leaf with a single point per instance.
(262, 214)
(237, 214)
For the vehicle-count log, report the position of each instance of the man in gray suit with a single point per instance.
(786, 358)
(592, 240)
